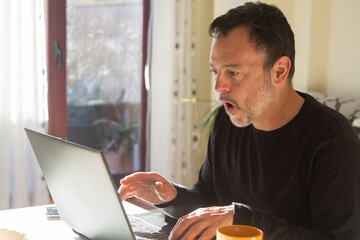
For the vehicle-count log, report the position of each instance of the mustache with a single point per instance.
(224, 97)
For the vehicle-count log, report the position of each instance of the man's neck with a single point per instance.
(280, 111)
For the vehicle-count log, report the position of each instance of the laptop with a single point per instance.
(85, 195)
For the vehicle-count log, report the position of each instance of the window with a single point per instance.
(101, 60)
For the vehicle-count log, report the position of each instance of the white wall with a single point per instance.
(344, 48)
(327, 42)
(201, 19)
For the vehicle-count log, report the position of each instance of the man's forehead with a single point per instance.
(234, 58)
(235, 40)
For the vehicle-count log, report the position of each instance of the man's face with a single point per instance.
(244, 88)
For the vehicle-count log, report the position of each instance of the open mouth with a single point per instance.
(229, 103)
(229, 107)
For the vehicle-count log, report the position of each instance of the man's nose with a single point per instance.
(221, 84)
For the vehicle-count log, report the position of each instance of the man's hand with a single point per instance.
(150, 187)
(204, 222)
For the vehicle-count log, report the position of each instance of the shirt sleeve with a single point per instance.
(188, 200)
(334, 200)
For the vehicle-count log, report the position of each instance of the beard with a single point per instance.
(253, 106)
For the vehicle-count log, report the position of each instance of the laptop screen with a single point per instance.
(81, 186)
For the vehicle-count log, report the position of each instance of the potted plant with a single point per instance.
(121, 136)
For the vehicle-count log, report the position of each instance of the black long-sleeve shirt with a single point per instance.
(301, 181)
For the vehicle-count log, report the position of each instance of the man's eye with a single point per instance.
(212, 71)
(234, 73)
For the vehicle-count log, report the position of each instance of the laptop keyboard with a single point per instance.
(144, 230)
(152, 226)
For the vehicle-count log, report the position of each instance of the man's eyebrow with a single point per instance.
(227, 65)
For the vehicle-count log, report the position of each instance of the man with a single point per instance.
(277, 159)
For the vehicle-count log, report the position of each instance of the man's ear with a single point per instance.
(281, 69)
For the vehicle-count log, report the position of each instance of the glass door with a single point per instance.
(103, 78)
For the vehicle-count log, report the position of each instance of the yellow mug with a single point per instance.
(239, 232)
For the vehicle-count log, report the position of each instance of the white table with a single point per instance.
(31, 223)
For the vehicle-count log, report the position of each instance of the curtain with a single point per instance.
(23, 101)
(173, 148)
(183, 119)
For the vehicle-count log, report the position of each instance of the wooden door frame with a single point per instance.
(55, 24)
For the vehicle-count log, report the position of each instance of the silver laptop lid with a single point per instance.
(81, 187)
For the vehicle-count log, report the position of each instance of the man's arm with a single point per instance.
(334, 199)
